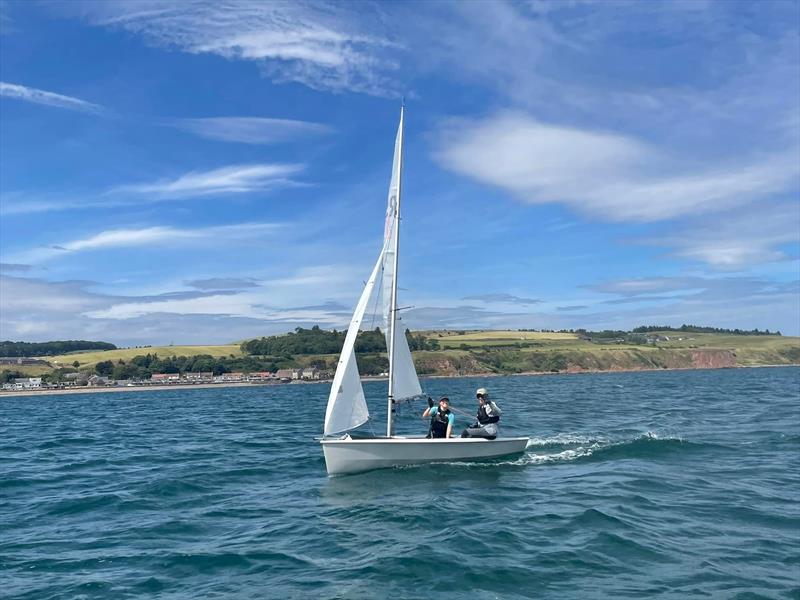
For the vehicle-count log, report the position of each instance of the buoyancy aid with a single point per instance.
(487, 415)
(439, 423)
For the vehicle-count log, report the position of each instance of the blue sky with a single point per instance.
(208, 172)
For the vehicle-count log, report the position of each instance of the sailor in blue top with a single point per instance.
(441, 418)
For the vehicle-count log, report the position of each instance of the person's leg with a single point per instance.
(476, 432)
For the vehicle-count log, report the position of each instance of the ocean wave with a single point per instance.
(563, 439)
(67, 441)
(84, 504)
(573, 447)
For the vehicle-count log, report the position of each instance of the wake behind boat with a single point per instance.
(347, 406)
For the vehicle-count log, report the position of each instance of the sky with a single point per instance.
(207, 172)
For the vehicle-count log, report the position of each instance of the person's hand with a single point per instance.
(430, 402)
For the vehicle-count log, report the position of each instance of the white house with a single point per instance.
(28, 383)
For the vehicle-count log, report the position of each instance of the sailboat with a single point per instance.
(348, 452)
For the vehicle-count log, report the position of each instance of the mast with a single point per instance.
(393, 306)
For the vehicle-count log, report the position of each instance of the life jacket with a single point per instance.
(439, 423)
(484, 417)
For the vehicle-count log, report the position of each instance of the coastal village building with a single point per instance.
(311, 373)
(24, 383)
(261, 376)
(288, 374)
(76, 379)
(203, 377)
(232, 377)
(165, 378)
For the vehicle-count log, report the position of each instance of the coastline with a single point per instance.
(194, 386)
(133, 388)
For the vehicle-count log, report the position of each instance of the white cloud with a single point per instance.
(35, 309)
(285, 295)
(223, 283)
(502, 298)
(233, 179)
(605, 175)
(648, 285)
(126, 238)
(223, 304)
(741, 239)
(309, 43)
(698, 300)
(251, 130)
(147, 237)
(21, 92)
(735, 302)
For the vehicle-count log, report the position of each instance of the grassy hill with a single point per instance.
(89, 359)
(479, 352)
(522, 351)
(498, 352)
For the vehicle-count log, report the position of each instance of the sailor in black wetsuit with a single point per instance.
(441, 418)
(488, 417)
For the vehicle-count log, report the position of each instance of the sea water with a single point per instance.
(655, 484)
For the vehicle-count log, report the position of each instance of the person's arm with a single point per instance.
(430, 412)
(427, 412)
(450, 420)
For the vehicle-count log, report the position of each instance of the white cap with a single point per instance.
(482, 392)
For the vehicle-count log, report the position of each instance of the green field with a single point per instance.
(92, 358)
(27, 370)
(475, 352)
(522, 351)
(451, 339)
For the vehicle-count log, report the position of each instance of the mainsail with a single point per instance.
(347, 407)
(405, 383)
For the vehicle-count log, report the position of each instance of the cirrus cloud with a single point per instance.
(234, 179)
(309, 43)
(37, 96)
(251, 130)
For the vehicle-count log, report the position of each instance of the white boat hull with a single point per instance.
(350, 455)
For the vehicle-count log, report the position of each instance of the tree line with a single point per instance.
(27, 349)
(143, 366)
(701, 329)
(319, 341)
